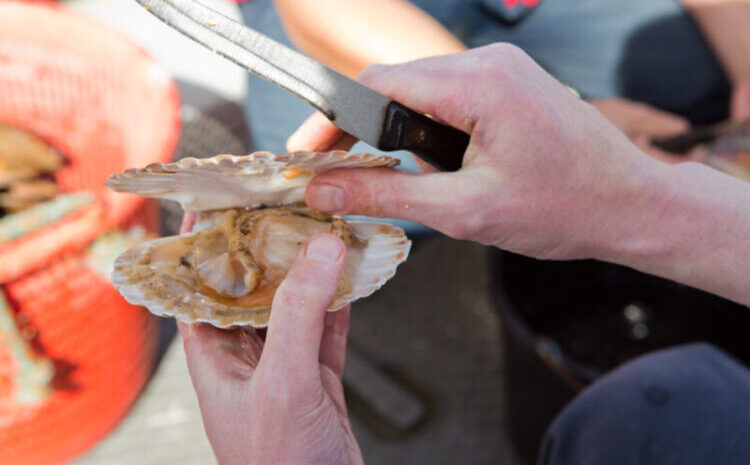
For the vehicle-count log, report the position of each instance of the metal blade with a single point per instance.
(351, 106)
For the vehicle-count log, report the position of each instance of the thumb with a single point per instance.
(430, 199)
(299, 307)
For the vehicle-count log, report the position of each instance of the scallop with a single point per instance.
(252, 223)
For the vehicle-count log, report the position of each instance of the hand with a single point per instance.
(545, 174)
(279, 401)
(637, 119)
(642, 123)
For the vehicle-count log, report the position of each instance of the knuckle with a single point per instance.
(374, 197)
(369, 73)
(469, 213)
(289, 295)
(504, 62)
(505, 50)
(387, 195)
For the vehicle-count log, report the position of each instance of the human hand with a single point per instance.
(545, 174)
(642, 123)
(279, 401)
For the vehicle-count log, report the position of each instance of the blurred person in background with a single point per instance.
(547, 176)
(651, 67)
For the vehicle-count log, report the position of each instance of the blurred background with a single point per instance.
(464, 357)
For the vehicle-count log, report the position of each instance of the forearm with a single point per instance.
(349, 35)
(726, 25)
(688, 223)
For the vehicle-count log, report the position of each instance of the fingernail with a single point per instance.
(291, 143)
(328, 198)
(324, 249)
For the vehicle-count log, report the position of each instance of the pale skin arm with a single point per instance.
(554, 180)
(726, 25)
(350, 35)
(581, 191)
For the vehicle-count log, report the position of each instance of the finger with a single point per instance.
(659, 123)
(299, 307)
(333, 345)
(639, 120)
(644, 120)
(219, 354)
(345, 143)
(428, 86)
(423, 166)
(318, 134)
(188, 221)
(741, 101)
(425, 198)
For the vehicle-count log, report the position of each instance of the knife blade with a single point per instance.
(682, 143)
(351, 106)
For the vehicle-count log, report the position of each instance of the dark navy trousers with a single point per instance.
(683, 406)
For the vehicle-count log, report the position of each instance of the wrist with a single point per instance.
(627, 232)
(688, 223)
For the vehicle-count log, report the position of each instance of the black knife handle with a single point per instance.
(438, 144)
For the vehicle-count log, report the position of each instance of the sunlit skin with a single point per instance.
(725, 25)
(279, 399)
(349, 35)
(545, 175)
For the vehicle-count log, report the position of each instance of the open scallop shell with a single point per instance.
(157, 274)
(165, 291)
(229, 181)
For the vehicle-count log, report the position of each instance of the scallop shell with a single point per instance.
(229, 181)
(165, 292)
(154, 274)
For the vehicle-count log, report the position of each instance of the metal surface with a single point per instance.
(351, 106)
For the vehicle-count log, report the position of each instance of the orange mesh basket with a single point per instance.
(106, 105)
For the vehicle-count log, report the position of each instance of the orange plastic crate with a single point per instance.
(107, 106)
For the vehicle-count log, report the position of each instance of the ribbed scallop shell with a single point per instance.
(166, 293)
(229, 181)
(150, 274)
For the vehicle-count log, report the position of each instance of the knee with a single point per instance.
(654, 409)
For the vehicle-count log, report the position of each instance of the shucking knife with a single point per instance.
(356, 109)
(682, 143)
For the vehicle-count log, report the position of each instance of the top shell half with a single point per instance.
(228, 181)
